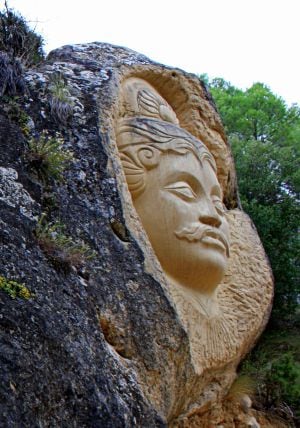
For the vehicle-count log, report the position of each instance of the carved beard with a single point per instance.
(241, 301)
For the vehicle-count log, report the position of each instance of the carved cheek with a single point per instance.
(179, 212)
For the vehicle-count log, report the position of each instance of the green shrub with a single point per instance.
(47, 157)
(14, 289)
(275, 366)
(282, 380)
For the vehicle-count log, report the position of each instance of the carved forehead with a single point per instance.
(164, 136)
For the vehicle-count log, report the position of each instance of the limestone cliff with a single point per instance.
(97, 337)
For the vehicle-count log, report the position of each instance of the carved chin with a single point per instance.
(202, 275)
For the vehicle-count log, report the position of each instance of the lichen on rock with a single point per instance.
(13, 194)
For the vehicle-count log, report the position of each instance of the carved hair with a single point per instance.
(141, 142)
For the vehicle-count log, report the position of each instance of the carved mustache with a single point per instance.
(198, 233)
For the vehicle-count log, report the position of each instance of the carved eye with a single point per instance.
(181, 189)
(219, 205)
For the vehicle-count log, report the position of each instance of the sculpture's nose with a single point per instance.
(209, 215)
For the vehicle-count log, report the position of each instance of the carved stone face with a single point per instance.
(172, 179)
(177, 194)
(182, 212)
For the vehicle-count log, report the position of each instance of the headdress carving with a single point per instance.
(149, 129)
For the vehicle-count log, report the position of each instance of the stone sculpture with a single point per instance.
(150, 331)
(175, 189)
(172, 179)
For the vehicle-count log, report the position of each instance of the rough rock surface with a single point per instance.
(100, 344)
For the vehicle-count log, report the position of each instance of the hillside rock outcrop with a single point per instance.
(105, 338)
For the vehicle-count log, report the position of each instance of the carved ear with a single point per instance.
(149, 157)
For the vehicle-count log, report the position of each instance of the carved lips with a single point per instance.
(209, 236)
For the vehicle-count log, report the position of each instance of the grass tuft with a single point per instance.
(47, 157)
(62, 250)
(243, 385)
(61, 103)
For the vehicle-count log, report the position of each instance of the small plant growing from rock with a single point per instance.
(47, 157)
(15, 113)
(243, 385)
(14, 289)
(61, 103)
(62, 250)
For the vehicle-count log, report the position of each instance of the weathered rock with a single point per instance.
(111, 343)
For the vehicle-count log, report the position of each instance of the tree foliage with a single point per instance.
(265, 137)
(272, 204)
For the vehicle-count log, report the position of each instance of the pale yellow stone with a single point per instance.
(172, 179)
(217, 278)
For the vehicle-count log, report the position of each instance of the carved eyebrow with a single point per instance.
(217, 191)
(189, 178)
(208, 157)
(194, 183)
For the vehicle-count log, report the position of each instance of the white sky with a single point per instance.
(243, 41)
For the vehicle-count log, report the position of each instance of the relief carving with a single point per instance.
(211, 257)
(172, 179)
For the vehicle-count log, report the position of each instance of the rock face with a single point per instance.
(106, 340)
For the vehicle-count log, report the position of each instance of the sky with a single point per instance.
(243, 41)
